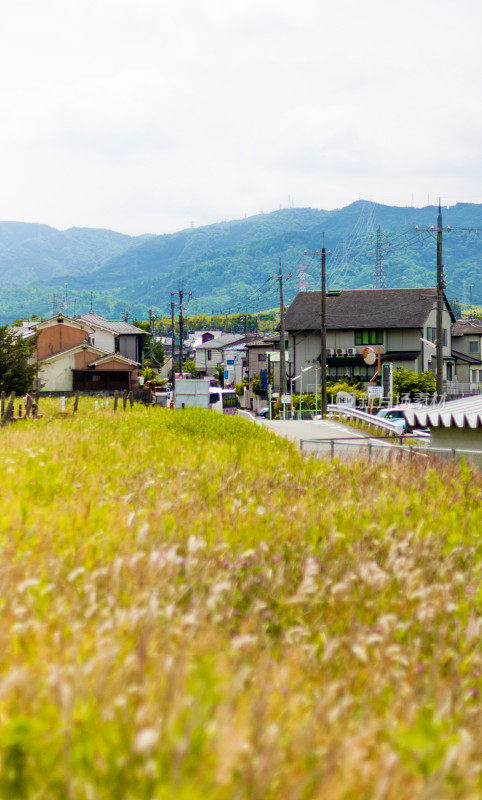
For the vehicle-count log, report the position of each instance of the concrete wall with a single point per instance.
(460, 439)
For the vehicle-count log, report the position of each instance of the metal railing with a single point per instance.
(373, 420)
(356, 448)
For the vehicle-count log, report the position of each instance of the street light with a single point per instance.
(305, 369)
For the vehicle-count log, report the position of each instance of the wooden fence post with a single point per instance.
(76, 402)
(124, 399)
(2, 401)
(8, 413)
(131, 399)
(28, 406)
(116, 399)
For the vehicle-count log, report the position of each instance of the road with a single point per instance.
(344, 437)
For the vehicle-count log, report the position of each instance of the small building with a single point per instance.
(86, 368)
(457, 425)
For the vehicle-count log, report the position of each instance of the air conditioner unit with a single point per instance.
(340, 351)
(351, 351)
(330, 352)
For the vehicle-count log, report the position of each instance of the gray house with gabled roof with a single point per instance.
(395, 320)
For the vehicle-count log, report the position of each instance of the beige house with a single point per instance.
(395, 320)
(86, 368)
(467, 351)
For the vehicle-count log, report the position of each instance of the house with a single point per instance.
(85, 367)
(263, 353)
(115, 336)
(456, 426)
(210, 354)
(395, 320)
(467, 352)
(72, 355)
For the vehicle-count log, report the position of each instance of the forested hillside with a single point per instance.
(227, 265)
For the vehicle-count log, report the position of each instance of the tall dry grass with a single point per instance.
(189, 609)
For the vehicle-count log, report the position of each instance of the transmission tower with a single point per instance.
(303, 279)
(379, 274)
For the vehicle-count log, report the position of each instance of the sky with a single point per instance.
(156, 115)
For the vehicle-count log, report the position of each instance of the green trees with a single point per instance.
(406, 381)
(16, 374)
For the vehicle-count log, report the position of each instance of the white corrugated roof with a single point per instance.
(116, 326)
(463, 413)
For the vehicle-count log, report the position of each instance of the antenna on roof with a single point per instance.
(91, 300)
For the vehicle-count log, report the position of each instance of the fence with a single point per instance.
(346, 448)
(30, 406)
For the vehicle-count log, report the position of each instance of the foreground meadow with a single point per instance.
(190, 609)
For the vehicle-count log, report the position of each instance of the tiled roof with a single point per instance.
(362, 308)
(116, 326)
(463, 413)
(224, 340)
(467, 326)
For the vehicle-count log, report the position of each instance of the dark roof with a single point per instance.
(467, 326)
(264, 341)
(362, 308)
(115, 326)
(467, 357)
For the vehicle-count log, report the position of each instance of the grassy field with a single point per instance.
(191, 609)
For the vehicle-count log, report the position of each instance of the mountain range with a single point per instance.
(226, 266)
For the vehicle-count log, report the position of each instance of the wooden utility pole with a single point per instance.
(173, 371)
(282, 356)
(440, 301)
(181, 292)
(323, 329)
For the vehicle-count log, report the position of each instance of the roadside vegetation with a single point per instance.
(190, 608)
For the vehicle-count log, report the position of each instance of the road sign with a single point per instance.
(285, 399)
(375, 391)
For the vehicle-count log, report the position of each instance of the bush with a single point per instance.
(406, 381)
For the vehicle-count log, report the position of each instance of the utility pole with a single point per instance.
(151, 333)
(181, 292)
(322, 325)
(282, 356)
(172, 341)
(323, 329)
(439, 317)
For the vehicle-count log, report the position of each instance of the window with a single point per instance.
(473, 345)
(432, 335)
(210, 355)
(449, 372)
(116, 344)
(261, 356)
(369, 337)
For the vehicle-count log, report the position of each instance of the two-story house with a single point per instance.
(115, 336)
(69, 357)
(395, 320)
(210, 354)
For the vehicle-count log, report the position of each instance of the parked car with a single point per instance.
(263, 412)
(394, 415)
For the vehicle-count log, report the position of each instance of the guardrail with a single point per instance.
(375, 422)
(372, 448)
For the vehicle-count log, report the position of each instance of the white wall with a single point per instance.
(56, 376)
(104, 340)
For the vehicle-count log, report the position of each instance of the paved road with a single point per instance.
(307, 430)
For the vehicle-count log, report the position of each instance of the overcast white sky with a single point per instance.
(145, 115)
